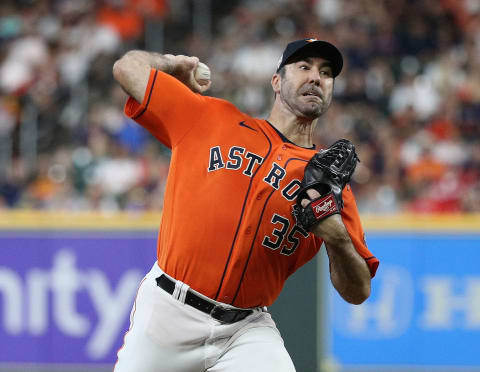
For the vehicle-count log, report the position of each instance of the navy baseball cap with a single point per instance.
(318, 48)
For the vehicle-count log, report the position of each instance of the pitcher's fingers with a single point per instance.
(194, 85)
(305, 202)
(313, 194)
(206, 87)
(187, 63)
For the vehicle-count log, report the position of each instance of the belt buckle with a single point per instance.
(228, 316)
(217, 312)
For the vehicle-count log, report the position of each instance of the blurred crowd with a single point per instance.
(408, 96)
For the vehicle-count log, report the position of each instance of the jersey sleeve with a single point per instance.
(168, 110)
(351, 220)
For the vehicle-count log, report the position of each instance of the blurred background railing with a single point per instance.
(80, 183)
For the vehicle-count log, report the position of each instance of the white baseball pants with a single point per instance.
(166, 335)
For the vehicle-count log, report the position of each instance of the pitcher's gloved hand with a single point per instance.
(327, 172)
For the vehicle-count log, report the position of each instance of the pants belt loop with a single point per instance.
(183, 292)
(177, 291)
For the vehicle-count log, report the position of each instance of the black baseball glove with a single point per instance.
(328, 171)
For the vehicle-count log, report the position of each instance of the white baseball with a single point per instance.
(202, 73)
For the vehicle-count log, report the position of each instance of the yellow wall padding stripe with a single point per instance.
(421, 222)
(41, 220)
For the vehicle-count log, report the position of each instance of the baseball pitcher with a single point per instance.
(248, 201)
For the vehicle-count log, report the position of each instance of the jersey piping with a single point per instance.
(256, 232)
(149, 96)
(241, 215)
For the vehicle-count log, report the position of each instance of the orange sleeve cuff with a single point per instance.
(372, 263)
(132, 108)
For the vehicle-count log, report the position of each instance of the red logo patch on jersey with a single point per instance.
(324, 207)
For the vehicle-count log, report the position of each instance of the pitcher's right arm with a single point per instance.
(132, 71)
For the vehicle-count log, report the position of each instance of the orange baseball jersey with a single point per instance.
(227, 229)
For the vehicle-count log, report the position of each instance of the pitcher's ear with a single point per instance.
(276, 83)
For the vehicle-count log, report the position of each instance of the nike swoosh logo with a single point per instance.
(242, 124)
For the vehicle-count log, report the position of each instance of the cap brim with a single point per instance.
(320, 48)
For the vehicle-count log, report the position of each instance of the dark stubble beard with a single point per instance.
(313, 112)
(306, 111)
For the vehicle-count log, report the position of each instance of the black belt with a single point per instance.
(217, 312)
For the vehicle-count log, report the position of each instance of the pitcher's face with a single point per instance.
(306, 87)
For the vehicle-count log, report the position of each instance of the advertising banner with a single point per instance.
(424, 311)
(66, 296)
